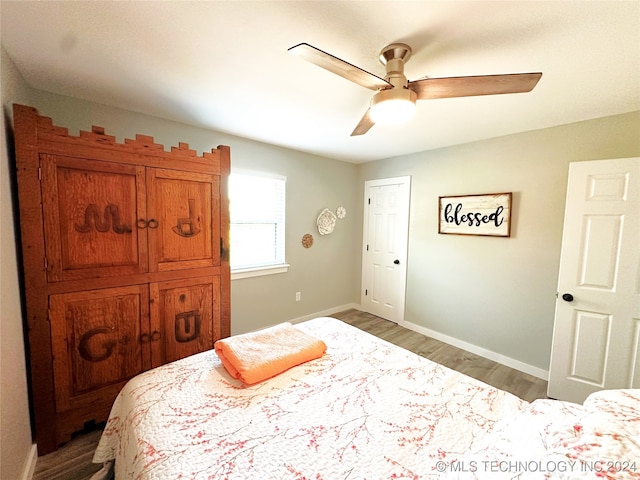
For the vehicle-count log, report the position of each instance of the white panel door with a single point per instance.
(596, 335)
(385, 237)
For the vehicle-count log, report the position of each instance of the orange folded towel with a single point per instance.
(257, 356)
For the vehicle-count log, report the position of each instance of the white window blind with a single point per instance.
(257, 210)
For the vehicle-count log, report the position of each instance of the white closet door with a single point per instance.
(596, 335)
(385, 238)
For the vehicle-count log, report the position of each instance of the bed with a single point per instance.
(366, 409)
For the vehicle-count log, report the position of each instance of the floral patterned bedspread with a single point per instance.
(551, 439)
(365, 410)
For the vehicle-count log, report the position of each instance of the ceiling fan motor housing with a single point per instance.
(402, 94)
(393, 105)
(393, 57)
(396, 104)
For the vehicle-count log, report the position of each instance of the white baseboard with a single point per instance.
(30, 463)
(469, 347)
(483, 352)
(325, 313)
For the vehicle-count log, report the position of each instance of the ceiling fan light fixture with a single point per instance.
(393, 106)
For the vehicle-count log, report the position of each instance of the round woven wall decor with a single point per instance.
(326, 222)
(307, 240)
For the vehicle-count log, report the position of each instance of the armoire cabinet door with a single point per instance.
(184, 219)
(185, 317)
(90, 214)
(96, 342)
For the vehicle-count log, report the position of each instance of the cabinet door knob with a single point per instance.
(567, 297)
(152, 223)
(155, 336)
(144, 338)
(141, 223)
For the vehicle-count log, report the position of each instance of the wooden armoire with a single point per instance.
(125, 262)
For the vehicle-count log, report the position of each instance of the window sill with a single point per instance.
(259, 271)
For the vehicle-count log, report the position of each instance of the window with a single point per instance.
(256, 204)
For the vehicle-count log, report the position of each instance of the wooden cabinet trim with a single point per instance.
(149, 277)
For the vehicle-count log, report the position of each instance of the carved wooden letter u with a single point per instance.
(187, 326)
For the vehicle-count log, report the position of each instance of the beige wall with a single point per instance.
(15, 426)
(498, 293)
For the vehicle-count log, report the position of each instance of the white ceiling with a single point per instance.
(225, 66)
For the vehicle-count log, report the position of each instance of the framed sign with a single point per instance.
(487, 214)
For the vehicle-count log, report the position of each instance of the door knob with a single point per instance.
(397, 262)
(567, 297)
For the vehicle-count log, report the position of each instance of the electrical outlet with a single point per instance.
(298, 296)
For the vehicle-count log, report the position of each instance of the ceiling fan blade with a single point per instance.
(450, 87)
(339, 67)
(365, 124)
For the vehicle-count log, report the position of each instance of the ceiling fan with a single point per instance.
(396, 96)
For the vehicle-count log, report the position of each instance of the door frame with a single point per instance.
(405, 180)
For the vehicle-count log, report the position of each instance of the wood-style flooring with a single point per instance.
(500, 376)
(72, 461)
